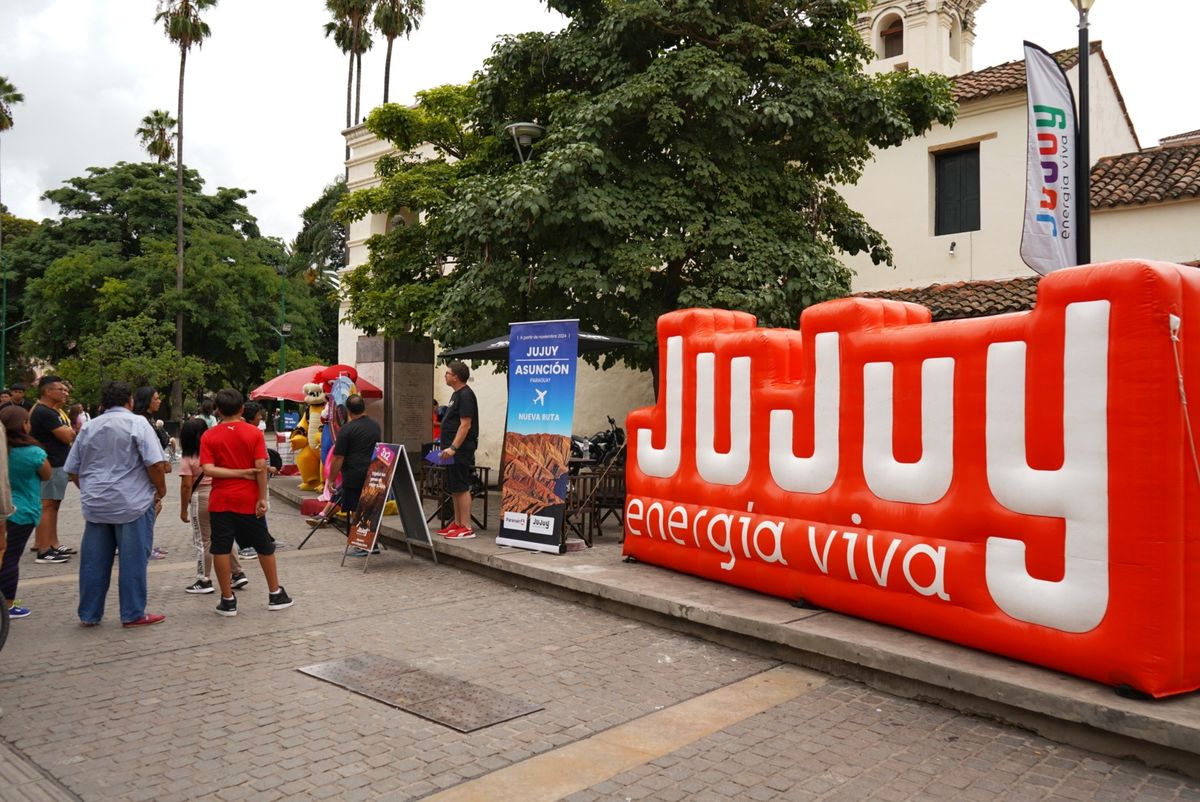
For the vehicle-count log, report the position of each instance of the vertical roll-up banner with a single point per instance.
(541, 405)
(1048, 238)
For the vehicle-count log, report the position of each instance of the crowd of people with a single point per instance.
(120, 457)
(119, 461)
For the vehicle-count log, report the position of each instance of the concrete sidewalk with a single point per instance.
(1162, 733)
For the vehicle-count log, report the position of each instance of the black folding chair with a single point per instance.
(329, 516)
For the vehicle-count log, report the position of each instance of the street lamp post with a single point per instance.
(1083, 159)
(285, 328)
(523, 136)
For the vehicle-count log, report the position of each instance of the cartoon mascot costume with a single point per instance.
(338, 383)
(306, 439)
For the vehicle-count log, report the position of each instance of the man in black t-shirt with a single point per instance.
(460, 437)
(50, 426)
(352, 451)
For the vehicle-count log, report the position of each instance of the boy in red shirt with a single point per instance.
(234, 454)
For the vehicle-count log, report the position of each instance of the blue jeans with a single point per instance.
(100, 542)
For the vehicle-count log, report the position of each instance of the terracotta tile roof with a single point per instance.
(965, 299)
(1007, 77)
(1010, 77)
(1179, 139)
(1151, 176)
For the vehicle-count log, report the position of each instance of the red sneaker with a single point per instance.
(462, 533)
(146, 620)
(450, 527)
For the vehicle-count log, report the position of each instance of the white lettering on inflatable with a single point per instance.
(676, 522)
(775, 555)
(926, 480)
(851, 539)
(813, 474)
(822, 561)
(633, 515)
(650, 510)
(938, 557)
(1077, 492)
(725, 547)
(714, 467)
(880, 574)
(664, 462)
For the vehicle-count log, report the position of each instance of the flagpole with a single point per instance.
(1083, 162)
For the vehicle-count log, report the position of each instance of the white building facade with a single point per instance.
(951, 203)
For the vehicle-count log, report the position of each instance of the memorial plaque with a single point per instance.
(452, 702)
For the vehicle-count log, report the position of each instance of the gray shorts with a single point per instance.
(55, 487)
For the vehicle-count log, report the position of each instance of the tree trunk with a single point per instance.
(177, 386)
(358, 90)
(387, 69)
(349, 91)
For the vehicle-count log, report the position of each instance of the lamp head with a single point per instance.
(525, 133)
(1083, 6)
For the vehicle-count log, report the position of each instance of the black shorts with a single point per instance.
(460, 472)
(350, 496)
(247, 529)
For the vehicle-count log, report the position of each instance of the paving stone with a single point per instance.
(206, 707)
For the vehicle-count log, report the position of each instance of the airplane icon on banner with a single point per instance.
(540, 398)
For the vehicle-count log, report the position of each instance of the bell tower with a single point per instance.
(926, 35)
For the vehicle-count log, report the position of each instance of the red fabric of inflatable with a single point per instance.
(1021, 483)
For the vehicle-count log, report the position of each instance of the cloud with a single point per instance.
(265, 101)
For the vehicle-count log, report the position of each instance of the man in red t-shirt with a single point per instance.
(234, 454)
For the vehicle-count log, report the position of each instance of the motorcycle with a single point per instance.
(600, 450)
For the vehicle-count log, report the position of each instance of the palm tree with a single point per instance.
(343, 37)
(349, 32)
(393, 19)
(183, 26)
(8, 97)
(155, 135)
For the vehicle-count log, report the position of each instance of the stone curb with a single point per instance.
(1163, 733)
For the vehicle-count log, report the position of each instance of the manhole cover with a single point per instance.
(460, 705)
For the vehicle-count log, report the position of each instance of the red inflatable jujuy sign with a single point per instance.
(1022, 484)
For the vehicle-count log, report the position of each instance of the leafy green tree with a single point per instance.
(692, 155)
(109, 258)
(317, 255)
(183, 26)
(9, 96)
(350, 32)
(156, 136)
(393, 19)
(16, 232)
(137, 350)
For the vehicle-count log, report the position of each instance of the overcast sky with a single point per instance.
(265, 101)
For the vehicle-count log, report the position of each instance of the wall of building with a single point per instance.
(1163, 231)
(896, 192)
(934, 38)
(365, 150)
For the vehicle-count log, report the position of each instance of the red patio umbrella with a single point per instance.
(290, 385)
